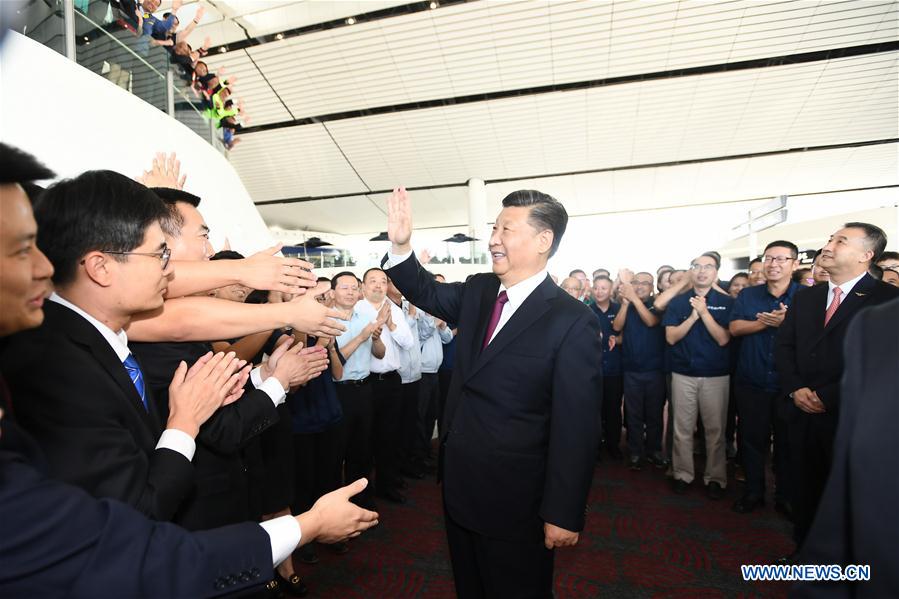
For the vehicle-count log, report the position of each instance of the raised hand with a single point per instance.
(309, 316)
(424, 256)
(625, 276)
(334, 518)
(399, 221)
(265, 270)
(165, 172)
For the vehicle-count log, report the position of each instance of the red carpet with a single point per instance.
(641, 540)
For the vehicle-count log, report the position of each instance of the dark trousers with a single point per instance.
(387, 395)
(317, 471)
(644, 400)
(428, 401)
(612, 389)
(758, 415)
(811, 454)
(485, 567)
(444, 376)
(354, 431)
(409, 421)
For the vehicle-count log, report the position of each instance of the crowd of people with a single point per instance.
(210, 389)
(214, 90)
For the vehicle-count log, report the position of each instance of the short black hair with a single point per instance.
(20, 167)
(227, 255)
(754, 260)
(323, 280)
(667, 267)
(781, 243)
(97, 210)
(546, 212)
(714, 256)
(875, 271)
(575, 271)
(745, 275)
(344, 273)
(888, 256)
(257, 296)
(801, 273)
(875, 238)
(375, 269)
(172, 223)
(601, 278)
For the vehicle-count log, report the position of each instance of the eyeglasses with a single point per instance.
(779, 259)
(163, 256)
(708, 267)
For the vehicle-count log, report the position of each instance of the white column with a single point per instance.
(477, 219)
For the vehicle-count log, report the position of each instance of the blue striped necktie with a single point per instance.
(137, 377)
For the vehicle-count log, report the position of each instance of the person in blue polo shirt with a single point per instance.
(612, 384)
(757, 315)
(643, 363)
(696, 329)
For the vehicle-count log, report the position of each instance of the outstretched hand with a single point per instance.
(399, 221)
(165, 172)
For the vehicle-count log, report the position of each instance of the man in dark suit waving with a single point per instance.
(809, 355)
(522, 413)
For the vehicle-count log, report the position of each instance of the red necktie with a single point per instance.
(834, 304)
(501, 300)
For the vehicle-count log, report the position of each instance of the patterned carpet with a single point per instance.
(641, 540)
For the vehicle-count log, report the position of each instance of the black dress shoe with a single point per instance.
(788, 560)
(680, 486)
(393, 495)
(307, 555)
(340, 548)
(714, 491)
(634, 464)
(273, 589)
(747, 503)
(657, 461)
(293, 585)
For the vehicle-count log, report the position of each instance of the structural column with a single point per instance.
(477, 220)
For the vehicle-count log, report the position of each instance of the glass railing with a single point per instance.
(105, 42)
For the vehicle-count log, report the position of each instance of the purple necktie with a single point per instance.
(501, 300)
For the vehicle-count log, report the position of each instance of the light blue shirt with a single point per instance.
(358, 365)
(432, 342)
(410, 358)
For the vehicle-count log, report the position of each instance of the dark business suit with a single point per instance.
(57, 541)
(810, 355)
(80, 405)
(858, 521)
(220, 493)
(521, 428)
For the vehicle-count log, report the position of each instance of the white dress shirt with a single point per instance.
(517, 293)
(845, 287)
(284, 532)
(398, 339)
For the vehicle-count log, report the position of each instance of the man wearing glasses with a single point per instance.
(696, 328)
(757, 316)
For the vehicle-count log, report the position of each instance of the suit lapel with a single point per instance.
(85, 334)
(534, 306)
(854, 300)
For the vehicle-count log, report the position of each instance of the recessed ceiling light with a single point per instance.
(280, 36)
(223, 49)
(350, 21)
(433, 5)
(87, 39)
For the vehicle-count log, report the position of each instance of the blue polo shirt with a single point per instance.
(642, 347)
(698, 354)
(611, 359)
(755, 363)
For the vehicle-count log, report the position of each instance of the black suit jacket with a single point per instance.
(77, 400)
(57, 541)
(522, 417)
(220, 493)
(809, 354)
(857, 521)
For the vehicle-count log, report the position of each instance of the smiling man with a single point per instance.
(522, 416)
(809, 356)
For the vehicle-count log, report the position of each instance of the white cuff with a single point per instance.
(274, 390)
(256, 376)
(176, 440)
(284, 534)
(393, 259)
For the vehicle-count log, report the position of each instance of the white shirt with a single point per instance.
(410, 358)
(170, 438)
(516, 293)
(394, 341)
(846, 287)
(284, 532)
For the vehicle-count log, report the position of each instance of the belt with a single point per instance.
(383, 376)
(353, 383)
